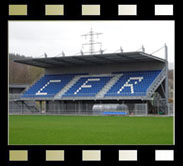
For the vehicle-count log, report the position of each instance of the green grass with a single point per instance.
(37, 129)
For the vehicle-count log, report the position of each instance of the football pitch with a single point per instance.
(85, 130)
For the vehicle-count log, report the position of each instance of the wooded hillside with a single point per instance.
(22, 74)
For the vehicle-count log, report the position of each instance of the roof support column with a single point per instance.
(166, 80)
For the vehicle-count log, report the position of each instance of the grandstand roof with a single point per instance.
(97, 59)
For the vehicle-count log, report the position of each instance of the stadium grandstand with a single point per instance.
(15, 93)
(134, 83)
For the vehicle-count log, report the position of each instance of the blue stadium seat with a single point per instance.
(87, 86)
(48, 85)
(133, 83)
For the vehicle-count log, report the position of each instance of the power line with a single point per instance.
(91, 34)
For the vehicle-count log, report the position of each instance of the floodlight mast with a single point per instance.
(91, 42)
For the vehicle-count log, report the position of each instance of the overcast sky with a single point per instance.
(34, 38)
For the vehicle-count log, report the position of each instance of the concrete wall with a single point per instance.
(108, 68)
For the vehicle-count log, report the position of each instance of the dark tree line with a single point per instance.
(22, 74)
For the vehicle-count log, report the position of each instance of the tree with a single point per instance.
(22, 74)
